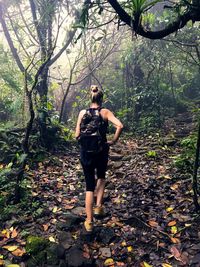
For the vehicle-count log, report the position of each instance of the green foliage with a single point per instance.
(11, 95)
(152, 154)
(67, 133)
(185, 160)
(140, 6)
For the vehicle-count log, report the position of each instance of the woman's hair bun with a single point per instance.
(94, 88)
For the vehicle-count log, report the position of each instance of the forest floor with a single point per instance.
(149, 221)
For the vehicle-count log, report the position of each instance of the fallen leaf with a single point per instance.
(166, 265)
(14, 233)
(167, 177)
(72, 187)
(176, 253)
(27, 167)
(169, 209)
(45, 227)
(145, 264)
(1, 262)
(161, 244)
(10, 248)
(153, 223)
(188, 224)
(172, 223)
(175, 240)
(55, 209)
(174, 186)
(119, 224)
(109, 262)
(52, 239)
(13, 265)
(6, 233)
(59, 199)
(123, 243)
(69, 207)
(130, 249)
(18, 252)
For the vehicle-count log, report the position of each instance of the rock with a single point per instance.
(54, 252)
(196, 259)
(117, 165)
(105, 252)
(110, 186)
(74, 258)
(127, 158)
(169, 141)
(63, 263)
(71, 221)
(106, 236)
(115, 156)
(120, 173)
(65, 240)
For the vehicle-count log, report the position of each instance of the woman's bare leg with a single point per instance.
(89, 199)
(100, 191)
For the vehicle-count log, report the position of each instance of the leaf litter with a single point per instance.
(149, 212)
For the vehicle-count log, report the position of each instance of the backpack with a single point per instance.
(90, 131)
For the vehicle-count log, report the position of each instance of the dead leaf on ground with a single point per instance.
(145, 264)
(10, 248)
(18, 252)
(171, 223)
(109, 262)
(14, 233)
(45, 227)
(176, 253)
(153, 223)
(175, 240)
(69, 207)
(166, 265)
(174, 186)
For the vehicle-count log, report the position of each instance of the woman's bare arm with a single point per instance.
(117, 124)
(80, 116)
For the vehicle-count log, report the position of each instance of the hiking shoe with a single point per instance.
(99, 211)
(88, 226)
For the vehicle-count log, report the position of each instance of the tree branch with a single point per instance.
(9, 40)
(138, 28)
(38, 29)
(71, 35)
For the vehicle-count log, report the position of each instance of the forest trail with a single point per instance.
(148, 207)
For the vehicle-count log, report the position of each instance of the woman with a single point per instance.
(96, 162)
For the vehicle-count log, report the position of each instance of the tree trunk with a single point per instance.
(42, 89)
(63, 104)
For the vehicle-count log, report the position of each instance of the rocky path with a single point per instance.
(149, 219)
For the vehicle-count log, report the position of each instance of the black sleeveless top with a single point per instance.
(104, 125)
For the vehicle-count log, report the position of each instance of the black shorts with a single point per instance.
(94, 162)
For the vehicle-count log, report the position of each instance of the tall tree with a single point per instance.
(32, 30)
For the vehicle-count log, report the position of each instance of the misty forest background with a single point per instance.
(147, 61)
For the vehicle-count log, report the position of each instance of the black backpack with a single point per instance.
(90, 131)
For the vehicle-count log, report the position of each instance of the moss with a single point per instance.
(37, 260)
(36, 244)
